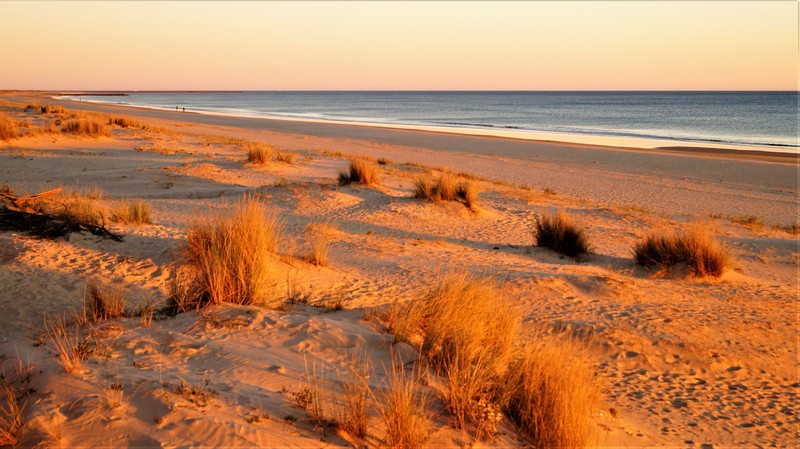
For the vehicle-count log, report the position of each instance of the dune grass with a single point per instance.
(447, 187)
(551, 393)
(66, 342)
(8, 128)
(403, 406)
(352, 406)
(132, 211)
(89, 127)
(466, 330)
(696, 247)
(102, 302)
(361, 171)
(320, 236)
(230, 254)
(561, 234)
(11, 415)
(81, 206)
(258, 153)
(123, 122)
(51, 109)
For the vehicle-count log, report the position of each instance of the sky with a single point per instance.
(387, 45)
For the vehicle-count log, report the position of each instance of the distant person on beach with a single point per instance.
(184, 109)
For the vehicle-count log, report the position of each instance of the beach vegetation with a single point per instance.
(560, 233)
(320, 236)
(257, 152)
(361, 171)
(8, 128)
(230, 255)
(88, 127)
(466, 330)
(403, 406)
(50, 109)
(133, 211)
(551, 393)
(66, 341)
(697, 247)
(447, 187)
(352, 406)
(12, 408)
(286, 158)
(123, 122)
(102, 301)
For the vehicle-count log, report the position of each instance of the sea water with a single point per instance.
(765, 119)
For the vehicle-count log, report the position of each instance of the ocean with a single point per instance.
(764, 119)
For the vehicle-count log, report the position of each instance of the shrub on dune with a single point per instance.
(361, 171)
(230, 254)
(560, 233)
(696, 247)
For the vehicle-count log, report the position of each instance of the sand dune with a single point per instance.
(681, 361)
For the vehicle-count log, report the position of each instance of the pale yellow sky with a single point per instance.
(399, 45)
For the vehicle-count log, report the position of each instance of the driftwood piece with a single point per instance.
(15, 215)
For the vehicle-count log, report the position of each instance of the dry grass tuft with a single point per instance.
(86, 127)
(468, 192)
(50, 109)
(361, 171)
(81, 206)
(560, 233)
(403, 406)
(8, 128)
(703, 254)
(11, 415)
(466, 329)
(320, 236)
(352, 407)
(447, 187)
(123, 122)
(230, 253)
(551, 394)
(286, 158)
(67, 343)
(132, 211)
(258, 153)
(103, 301)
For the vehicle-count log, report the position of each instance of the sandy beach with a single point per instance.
(680, 361)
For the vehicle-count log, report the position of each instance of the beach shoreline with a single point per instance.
(383, 132)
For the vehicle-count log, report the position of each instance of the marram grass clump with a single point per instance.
(230, 254)
(361, 171)
(696, 247)
(561, 234)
